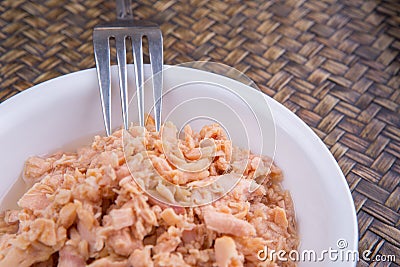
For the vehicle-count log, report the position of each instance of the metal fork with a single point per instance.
(122, 29)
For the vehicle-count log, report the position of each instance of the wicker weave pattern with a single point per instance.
(334, 63)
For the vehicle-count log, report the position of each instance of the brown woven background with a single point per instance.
(334, 63)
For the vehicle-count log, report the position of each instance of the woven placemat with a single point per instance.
(334, 63)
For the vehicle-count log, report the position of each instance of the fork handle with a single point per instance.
(124, 10)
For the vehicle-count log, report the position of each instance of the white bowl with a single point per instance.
(65, 112)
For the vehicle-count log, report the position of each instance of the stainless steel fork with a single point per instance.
(122, 29)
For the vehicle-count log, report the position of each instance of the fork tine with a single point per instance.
(138, 59)
(102, 57)
(156, 60)
(123, 82)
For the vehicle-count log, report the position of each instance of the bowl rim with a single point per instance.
(274, 105)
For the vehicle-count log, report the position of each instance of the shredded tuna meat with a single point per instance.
(145, 198)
